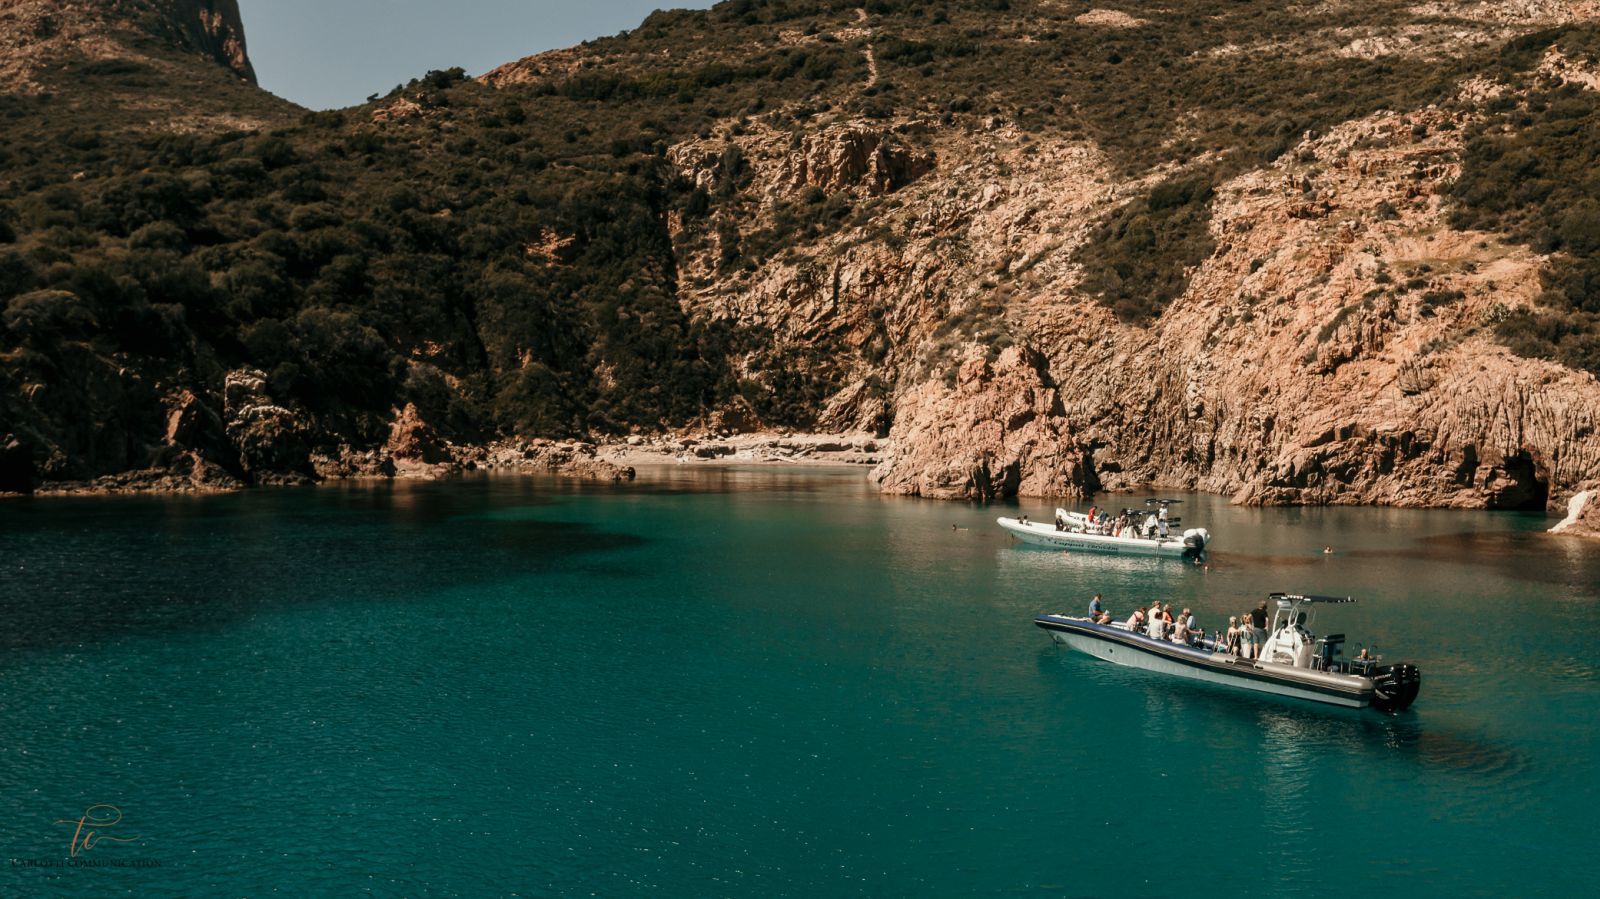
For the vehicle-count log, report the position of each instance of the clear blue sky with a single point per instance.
(330, 53)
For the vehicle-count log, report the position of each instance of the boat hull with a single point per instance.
(1119, 646)
(1046, 535)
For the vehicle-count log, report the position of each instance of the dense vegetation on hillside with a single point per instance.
(1532, 171)
(501, 257)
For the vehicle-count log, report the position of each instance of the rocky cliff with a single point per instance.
(1583, 514)
(1305, 363)
(1038, 248)
(1331, 348)
(38, 34)
(213, 27)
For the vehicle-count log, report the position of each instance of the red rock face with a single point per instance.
(1302, 366)
(414, 441)
(999, 431)
(844, 157)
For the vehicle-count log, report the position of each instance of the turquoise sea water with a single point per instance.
(769, 682)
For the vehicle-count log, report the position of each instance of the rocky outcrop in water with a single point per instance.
(415, 448)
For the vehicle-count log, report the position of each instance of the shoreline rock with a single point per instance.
(415, 452)
(619, 460)
(1583, 514)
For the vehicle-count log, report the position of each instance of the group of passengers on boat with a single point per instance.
(1125, 524)
(1246, 633)
(1245, 636)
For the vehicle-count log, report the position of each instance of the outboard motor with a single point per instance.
(1395, 687)
(1194, 542)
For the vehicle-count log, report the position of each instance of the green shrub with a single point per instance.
(41, 318)
(1137, 261)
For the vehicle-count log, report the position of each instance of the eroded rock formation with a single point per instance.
(1331, 350)
(273, 442)
(847, 156)
(999, 430)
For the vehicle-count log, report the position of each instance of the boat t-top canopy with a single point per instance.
(1308, 597)
(1162, 502)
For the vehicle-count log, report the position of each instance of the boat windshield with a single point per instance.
(1299, 609)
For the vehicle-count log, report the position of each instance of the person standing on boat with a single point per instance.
(1247, 639)
(1258, 622)
(1233, 634)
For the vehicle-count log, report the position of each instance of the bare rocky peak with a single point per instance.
(214, 28)
(36, 33)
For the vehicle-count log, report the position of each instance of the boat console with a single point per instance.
(1291, 642)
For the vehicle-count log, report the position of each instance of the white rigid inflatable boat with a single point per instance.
(1152, 534)
(1292, 662)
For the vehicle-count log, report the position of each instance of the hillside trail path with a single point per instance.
(872, 60)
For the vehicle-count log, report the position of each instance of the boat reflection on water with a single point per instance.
(1102, 565)
(1296, 733)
